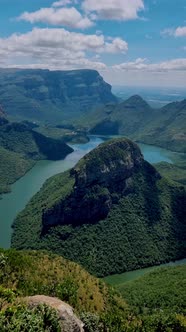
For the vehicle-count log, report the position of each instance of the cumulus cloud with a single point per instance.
(143, 65)
(62, 3)
(117, 45)
(122, 10)
(69, 17)
(178, 32)
(58, 48)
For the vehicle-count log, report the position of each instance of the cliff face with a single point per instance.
(52, 95)
(101, 178)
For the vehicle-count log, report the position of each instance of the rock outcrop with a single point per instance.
(101, 178)
(69, 322)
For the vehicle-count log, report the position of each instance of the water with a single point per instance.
(119, 279)
(154, 154)
(28, 185)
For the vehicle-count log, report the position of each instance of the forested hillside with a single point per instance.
(21, 147)
(165, 127)
(111, 213)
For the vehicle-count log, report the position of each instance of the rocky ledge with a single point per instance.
(67, 319)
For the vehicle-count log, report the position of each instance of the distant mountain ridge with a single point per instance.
(52, 96)
(165, 127)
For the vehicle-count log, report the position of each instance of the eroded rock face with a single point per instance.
(69, 322)
(101, 178)
(45, 95)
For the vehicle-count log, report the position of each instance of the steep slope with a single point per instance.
(165, 127)
(158, 298)
(21, 147)
(26, 273)
(52, 95)
(168, 127)
(127, 117)
(112, 212)
(152, 303)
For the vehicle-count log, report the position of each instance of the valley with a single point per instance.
(92, 166)
(23, 190)
(107, 212)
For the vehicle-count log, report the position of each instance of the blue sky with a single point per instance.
(130, 42)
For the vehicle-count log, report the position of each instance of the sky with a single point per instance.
(130, 42)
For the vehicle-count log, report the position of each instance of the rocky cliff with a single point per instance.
(100, 180)
(52, 95)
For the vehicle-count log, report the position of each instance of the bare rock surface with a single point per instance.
(68, 320)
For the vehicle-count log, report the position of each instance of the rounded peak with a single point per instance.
(136, 100)
(112, 154)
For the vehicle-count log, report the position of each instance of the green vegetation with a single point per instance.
(110, 221)
(20, 148)
(158, 298)
(66, 133)
(17, 317)
(175, 172)
(29, 273)
(153, 303)
(12, 167)
(134, 118)
(51, 96)
(161, 289)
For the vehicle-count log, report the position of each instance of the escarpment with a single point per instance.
(52, 96)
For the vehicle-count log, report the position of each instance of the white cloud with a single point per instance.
(62, 39)
(117, 45)
(143, 65)
(167, 32)
(114, 9)
(69, 17)
(62, 3)
(178, 32)
(57, 48)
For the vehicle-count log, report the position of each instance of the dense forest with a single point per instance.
(136, 119)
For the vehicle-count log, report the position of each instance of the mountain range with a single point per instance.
(134, 118)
